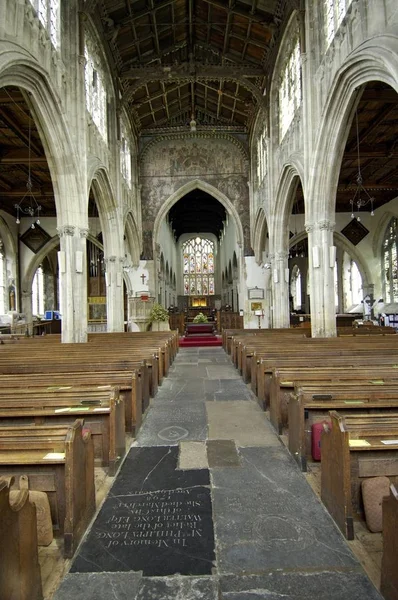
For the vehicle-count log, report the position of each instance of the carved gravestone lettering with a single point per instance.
(159, 531)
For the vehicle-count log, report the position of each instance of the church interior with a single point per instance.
(198, 299)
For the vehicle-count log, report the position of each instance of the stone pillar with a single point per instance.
(114, 293)
(26, 298)
(73, 283)
(321, 261)
(280, 290)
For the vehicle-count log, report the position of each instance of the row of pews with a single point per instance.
(346, 389)
(65, 409)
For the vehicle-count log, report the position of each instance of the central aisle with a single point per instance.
(209, 505)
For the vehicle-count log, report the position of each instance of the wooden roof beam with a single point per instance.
(371, 126)
(143, 13)
(187, 70)
(267, 20)
(15, 128)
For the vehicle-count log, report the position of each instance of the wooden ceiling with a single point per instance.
(208, 58)
(181, 58)
(377, 117)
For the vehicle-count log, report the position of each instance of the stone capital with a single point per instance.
(281, 256)
(65, 230)
(84, 232)
(110, 259)
(324, 225)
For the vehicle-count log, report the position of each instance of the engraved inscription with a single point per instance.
(162, 519)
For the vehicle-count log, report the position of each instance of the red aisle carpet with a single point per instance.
(200, 340)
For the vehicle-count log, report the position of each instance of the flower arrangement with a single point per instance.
(158, 313)
(200, 318)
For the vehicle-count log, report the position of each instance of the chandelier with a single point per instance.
(28, 204)
(361, 197)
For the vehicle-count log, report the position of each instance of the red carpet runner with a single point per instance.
(200, 340)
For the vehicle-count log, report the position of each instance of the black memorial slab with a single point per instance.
(156, 519)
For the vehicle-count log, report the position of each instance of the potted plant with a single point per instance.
(159, 318)
(200, 318)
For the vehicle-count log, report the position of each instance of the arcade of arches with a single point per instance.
(127, 131)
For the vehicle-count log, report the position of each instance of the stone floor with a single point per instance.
(209, 505)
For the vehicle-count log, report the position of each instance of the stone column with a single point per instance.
(280, 289)
(26, 298)
(73, 283)
(114, 293)
(321, 261)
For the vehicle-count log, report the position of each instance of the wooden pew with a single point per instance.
(319, 400)
(350, 357)
(102, 410)
(129, 386)
(20, 577)
(284, 379)
(389, 571)
(58, 461)
(350, 454)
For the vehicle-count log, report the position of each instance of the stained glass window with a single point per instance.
(335, 11)
(198, 267)
(96, 100)
(290, 89)
(48, 12)
(389, 259)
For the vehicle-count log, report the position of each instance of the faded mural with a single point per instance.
(170, 163)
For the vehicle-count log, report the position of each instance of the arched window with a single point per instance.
(125, 154)
(389, 262)
(290, 88)
(96, 100)
(335, 11)
(262, 157)
(48, 12)
(198, 256)
(38, 292)
(3, 280)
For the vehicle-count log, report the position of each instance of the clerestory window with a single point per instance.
(198, 267)
(335, 11)
(389, 262)
(48, 12)
(125, 154)
(261, 157)
(96, 99)
(290, 88)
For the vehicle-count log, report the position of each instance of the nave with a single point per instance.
(209, 504)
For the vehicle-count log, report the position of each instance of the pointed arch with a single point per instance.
(18, 68)
(108, 213)
(374, 60)
(287, 186)
(133, 239)
(260, 233)
(204, 187)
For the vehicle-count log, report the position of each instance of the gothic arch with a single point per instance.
(380, 231)
(288, 182)
(341, 241)
(204, 187)
(18, 68)
(375, 60)
(8, 240)
(108, 214)
(37, 259)
(260, 231)
(133, 239)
